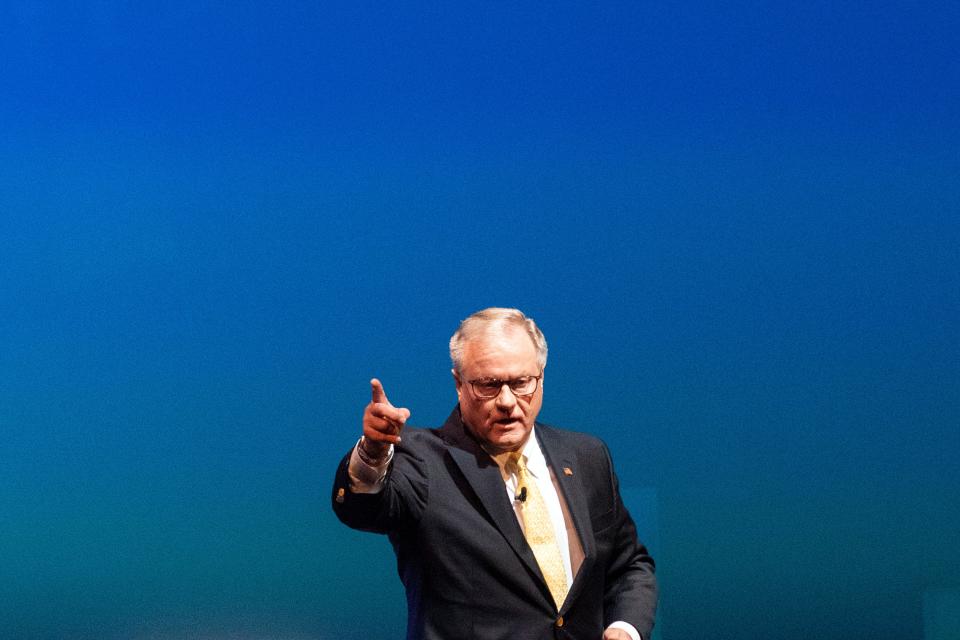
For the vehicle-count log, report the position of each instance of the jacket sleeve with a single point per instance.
(399, 504)
(630, 585)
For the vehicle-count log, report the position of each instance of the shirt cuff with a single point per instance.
(365, 478)
(626, 626)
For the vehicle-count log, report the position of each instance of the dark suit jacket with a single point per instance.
(462, 556)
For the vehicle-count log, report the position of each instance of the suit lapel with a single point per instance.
(483, 475)
(565, 470)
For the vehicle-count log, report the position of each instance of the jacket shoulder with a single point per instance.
(571, 440)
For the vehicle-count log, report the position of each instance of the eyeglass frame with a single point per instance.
(503, 383)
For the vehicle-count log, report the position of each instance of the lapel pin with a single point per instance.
(567, 471)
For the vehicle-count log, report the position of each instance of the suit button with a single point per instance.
(559, 622)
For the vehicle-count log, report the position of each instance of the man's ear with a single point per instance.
(457, 381)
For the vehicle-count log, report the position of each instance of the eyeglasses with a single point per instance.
(486, 388)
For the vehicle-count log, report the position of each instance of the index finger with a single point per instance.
(376, 392)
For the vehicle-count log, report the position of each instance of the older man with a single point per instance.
(503, 527)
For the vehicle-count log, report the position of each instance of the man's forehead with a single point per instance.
(512, 347)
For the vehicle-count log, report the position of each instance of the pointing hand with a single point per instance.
(382, 422)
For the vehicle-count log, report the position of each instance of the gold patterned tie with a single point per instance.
(538, 529)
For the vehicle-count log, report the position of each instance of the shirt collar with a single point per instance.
(536, 463)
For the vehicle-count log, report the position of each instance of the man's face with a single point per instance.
(502, 423)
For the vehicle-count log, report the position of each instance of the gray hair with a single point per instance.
(492, 319)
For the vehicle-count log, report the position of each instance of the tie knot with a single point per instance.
(512, 461)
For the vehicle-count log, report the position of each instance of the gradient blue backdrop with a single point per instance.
(737, 223)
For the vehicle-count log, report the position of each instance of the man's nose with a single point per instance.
(506, 399)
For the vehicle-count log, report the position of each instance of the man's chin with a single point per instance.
(509, 439)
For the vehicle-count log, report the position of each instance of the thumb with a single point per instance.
(376, 392)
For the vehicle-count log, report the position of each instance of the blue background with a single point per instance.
(737, 224)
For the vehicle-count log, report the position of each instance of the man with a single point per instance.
(503, 527)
